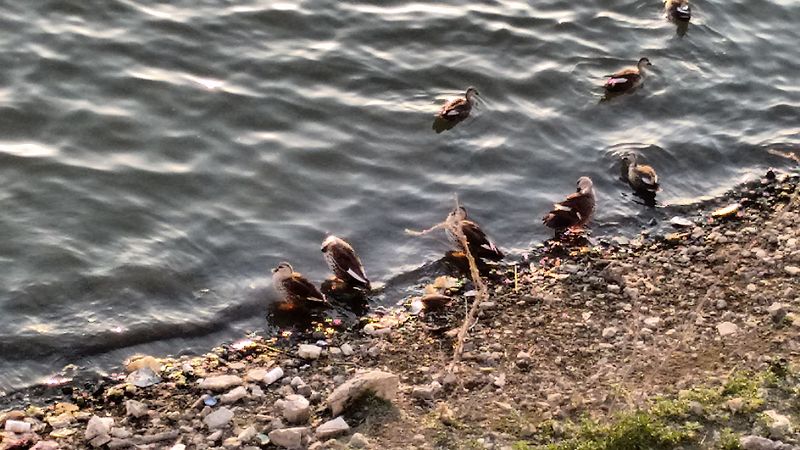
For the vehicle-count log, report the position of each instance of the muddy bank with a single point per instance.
(687, 338)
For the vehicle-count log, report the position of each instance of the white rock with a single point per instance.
(382, 384)
(98, 426)
(273, 376)
(358, 440)
(792, 270)
(347, 349)
(429, 392)
(777, 311)
(291, 438)
(247, 435)
(727, 328)
(295, 408)
(308, 351)
(779, 425)
(233, 396)
(135, 409)
(609, 332)
(17, 426)
(220, 382)
(46, 445)
(218, 418)
(256, 375)
(332, 428)
(652, 322)
(178, 447)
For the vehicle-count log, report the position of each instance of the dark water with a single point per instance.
(156, 158)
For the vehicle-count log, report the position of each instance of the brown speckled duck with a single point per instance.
(641, 177)
(627, 78)
(678, 9)
(344, 262)
(575, 211)
(459, 109)
(480, 246)
(297, 291)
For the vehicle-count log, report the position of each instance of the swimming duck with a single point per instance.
(576, 210)
(678, 9)
(641, 177)
(344, 262)
(295, 288)
(480, 246)
(627, 78)
(459, 109)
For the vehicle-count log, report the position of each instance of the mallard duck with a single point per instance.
(295, 288)
(678, 9)
(480, 246)
(576, 210)
(459, 108)
(627, 78)
(344, 262)
(641, 177)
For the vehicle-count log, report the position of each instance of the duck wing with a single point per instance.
(574, 210)
(480, 244)
(455, 109)
(623, 79)
(648, 177)
(348, 267)
(299, 287)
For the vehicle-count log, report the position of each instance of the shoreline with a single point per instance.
(582, 332)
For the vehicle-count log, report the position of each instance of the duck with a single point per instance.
(678, 9)
(344, 262)
(575, 211)
(459, 108)
(480, 246)
(628, 78)
(641, 177)
(297, 291)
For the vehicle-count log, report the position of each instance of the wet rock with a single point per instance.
(291, 438)
(218, 419)
(220, 382)
(273, 375)
(777, 311)
(233, 395)
(135, 409)
(295, 408)
(779, 425)
(332, 428)
(308, 351)
(358, 440)
(727, 328)
(382, 384)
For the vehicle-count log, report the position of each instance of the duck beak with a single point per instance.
(274, 270)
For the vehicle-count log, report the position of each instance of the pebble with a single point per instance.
(358, 440)
(428, 392)
(46, 445)
(256, 375)
(135, 409)
(220, 382)
(777, 311)
(291, 438)
(332, 428)
(382, 384)
(308, 351)
(727, 328)
(247, 434)
(233, 395)
(761, 443)
(215, 436)
(792, 270)
(273, 376)
(609, 332)
(652, 322)
(295, 408)
(779, 425)
(347, 349)
(218, 418)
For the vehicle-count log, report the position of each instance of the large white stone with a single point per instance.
(382, 384)
(295, 408)
(273, 375)
(219, 418)
(291, 438)
(727, 328)
(308, 351)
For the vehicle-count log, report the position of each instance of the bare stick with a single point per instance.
(423, 232)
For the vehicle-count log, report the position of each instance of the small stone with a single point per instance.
(727, 328)
(273, 375)
(308, 351)
(46, 445)
(296, 408)
(255, 375)
(143, 377)
(777, 311)
(247, 434)
(291, 438)
(779, 425)
(220, 382)
(135, 409)
(215, 436)
(735, 404)
(231, 442)
(358, 440)
(233, 396)
(17, 426)
(428, 392)
(347, 349)
(609, 332)
(374, 351)
(721, 304)
(759, 443)
(218, 418)
(98, 426)
(652, 322)
(332, 428)
(696, 408)
(792, 270)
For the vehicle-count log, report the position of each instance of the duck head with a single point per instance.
(471, 93)
(329, 241)
(284, 269)
(585, 185)
(643, 62)
(459, 213)
(683, 11)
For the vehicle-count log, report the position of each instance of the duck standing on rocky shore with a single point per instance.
(344, 263)
(480, 246)
(575, 211)
(296, 290)
(627, 78)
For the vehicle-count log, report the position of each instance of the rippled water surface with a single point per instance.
(157, 158)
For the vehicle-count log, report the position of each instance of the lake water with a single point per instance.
(157, 158)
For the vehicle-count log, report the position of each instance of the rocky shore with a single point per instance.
(687, 339)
